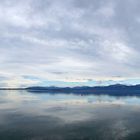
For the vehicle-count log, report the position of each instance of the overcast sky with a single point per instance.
(69, 42)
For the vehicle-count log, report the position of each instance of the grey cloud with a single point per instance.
(86, 38)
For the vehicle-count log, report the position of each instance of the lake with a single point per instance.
(43, 116)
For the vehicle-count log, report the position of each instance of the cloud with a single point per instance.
(69, 40)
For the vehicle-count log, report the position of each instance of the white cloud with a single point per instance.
(86, 40)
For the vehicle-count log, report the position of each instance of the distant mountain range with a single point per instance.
(117, 89)
(110, 87)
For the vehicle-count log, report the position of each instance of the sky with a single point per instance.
(69, 42)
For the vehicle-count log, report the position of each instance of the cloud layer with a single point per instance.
(42, 41)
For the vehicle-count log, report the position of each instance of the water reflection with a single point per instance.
(26, 116)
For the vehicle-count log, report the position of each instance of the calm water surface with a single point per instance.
(32, 116)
